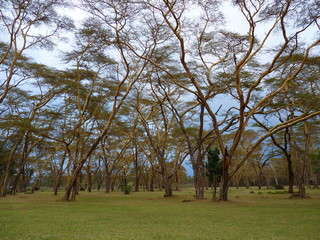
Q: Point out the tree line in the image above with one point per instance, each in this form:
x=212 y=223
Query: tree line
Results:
x=148 y=86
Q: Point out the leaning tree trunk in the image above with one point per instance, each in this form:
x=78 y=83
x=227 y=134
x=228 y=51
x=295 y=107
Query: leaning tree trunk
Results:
x=7 y=174
x=58 y=179
x=21 y=167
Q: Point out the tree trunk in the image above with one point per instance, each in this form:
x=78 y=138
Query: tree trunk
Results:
x=136 y=170
x=99 y=181
x=225 y=178
x=90 y=182
x=224 y=190
x=151 y=183
x=113 y=184
x=9 y=163
x=177 y=181
x=302 y=189
x=167 y=180
x=108 y=182
x=137 y=183
x=303 y=173
x=316 y=182
x=124 y=182
x=290 y=173
x=35 y=185
x=24 y=156
x=199 y=183
x=55 y=189
x=215 y=183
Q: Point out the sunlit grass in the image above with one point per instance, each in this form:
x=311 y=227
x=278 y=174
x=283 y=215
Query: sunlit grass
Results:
x=144 y=215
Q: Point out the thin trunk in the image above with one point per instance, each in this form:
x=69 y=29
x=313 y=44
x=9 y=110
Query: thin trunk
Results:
x=136 y=170
x=99 y=181
x=58 y=180
x=90 y=182
x=302 y=182
x=177 y=181
x=37 y=180
x=151 y=184
x=290 y=172
x=124 y=182
x=24 y=156
x=215 y=183
x=198 y=166
x=9 y=163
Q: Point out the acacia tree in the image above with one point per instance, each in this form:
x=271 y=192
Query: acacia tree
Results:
x=288 y=104
x=26 y=121
x=157 y=122
x=26 y=25
x=212 y=58
x=111 y=17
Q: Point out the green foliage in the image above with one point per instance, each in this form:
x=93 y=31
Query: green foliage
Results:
x=213 y=165
x=126 y=189
x=278 y=186
x=4 y=153
x=315 y=161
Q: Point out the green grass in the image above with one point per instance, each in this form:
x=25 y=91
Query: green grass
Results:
x=143 y=215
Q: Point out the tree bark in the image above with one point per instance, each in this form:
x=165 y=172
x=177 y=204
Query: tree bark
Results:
x=177 y=181
x=199 y=183
x=136 y=170
x=9 y=163
x=290 y=173
x=225 y=177
x=108 y=182
x=167 y=185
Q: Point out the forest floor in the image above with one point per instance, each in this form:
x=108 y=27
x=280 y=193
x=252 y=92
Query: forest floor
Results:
x=249 y=214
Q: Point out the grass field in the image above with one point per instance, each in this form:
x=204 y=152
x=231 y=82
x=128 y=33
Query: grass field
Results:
x=259 y=215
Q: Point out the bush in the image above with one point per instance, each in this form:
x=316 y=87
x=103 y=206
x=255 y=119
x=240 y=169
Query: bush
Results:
x=278 y=187
x=126 y=189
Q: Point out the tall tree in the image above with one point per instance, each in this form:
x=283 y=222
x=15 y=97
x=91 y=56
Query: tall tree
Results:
x=104 y=33
x=217 y=62
x=26 y=25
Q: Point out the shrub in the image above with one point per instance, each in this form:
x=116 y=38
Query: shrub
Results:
x=126 y=189
x=278 y=186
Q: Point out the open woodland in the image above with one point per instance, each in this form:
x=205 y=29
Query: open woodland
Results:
x=152 y=97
